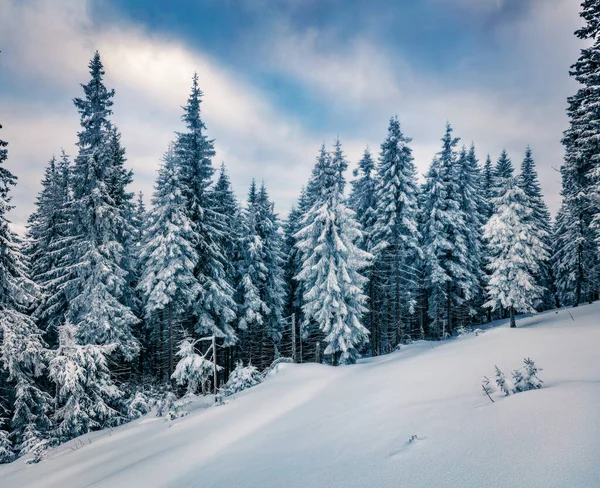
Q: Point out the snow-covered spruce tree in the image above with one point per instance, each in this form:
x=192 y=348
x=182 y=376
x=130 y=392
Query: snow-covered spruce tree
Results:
x=52 y=237
x=472 y=206
x=6 y=451
x=487 y=194
x=85 y=392
x=503 y=170
x=227 y=206
x=451 y=280
x=22 y=348
x=214 y=307
x=46 y=227
x=577 y=260
x=540 y=218
x=310 y=332
x=262 y=289
x=332 y=261
x=395 y=242
x=526 y=379
x=193 y=369
x=487 y=188
x=363 y=196
x=362 y=200
x=169 y=257
x=242 y=378
x=99 y=289
x=252 y=307
x=291 y=267
x=515 y=253
x=503 y=383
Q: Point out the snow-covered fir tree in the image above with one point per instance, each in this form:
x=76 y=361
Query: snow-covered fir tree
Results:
x=47 y=228
x=100 y=287
x=85 y=394
x=214 y=308
x=22 y=349
x=515 y=253
x=473 y=208
x=576 y=260
x=540 y=217
x=169 y=257
x=526 y=378
x=363 y=197
x=262 y=292
x=451 y=278
x=487 y=187
x=395 y=242
x=332 y=261
x=503 y=170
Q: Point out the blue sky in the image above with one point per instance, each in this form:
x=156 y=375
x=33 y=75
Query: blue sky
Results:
x=282 y=76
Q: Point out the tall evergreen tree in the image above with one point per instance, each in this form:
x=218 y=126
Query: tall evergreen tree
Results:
x=22 y=351
x=450 y=276
x=47 y=227
x=540 y=218
x=516 y=249
x=503 y=170
x=214 y=308
x=169 y=257
x=99 y=290
x=580 y=263
x=363 y=198
x=331 y=267
x=262 y=291
x=395 y=238
x=472 y=206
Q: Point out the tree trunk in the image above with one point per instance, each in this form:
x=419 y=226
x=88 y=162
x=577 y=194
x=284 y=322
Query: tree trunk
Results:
x=513 y=322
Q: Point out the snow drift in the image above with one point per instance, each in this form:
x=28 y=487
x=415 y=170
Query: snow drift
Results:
x=415 y=418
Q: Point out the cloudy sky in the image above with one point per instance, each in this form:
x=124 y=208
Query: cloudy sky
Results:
x=282 y=76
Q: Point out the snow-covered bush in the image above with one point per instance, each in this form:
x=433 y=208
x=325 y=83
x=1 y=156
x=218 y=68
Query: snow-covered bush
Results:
x=241 y=378
x=526 y=377
x=165 y=404
x=85 y=390
x=6 y=453
x=138 y=405
x=503 y=384
x=193 y=369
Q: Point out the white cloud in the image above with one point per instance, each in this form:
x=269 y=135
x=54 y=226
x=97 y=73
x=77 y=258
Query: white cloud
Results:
x=152 y=77
x=358 y=83
x=360 y=80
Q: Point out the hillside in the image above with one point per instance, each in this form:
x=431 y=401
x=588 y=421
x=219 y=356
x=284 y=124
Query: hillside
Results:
x=311 y=425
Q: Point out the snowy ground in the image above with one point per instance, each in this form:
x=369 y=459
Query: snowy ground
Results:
x=317 y=426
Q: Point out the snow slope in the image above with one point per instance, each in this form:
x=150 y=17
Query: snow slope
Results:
x=317 y=426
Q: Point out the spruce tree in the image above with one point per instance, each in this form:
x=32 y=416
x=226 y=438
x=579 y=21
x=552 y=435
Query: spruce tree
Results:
x=395 y=242
x=473 y=208
x=576 y=254
x=100 y=287
x=83 y=385
x=540 y=218
x=332 y=261
x=503 y=170
x=516 y=249
x=214 y=308
x=51 y=238
x=262 y=291
x=22 y=349
x=450 y=275
x=169 y=257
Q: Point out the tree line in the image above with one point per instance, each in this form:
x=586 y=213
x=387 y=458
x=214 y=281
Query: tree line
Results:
x=104 y=303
